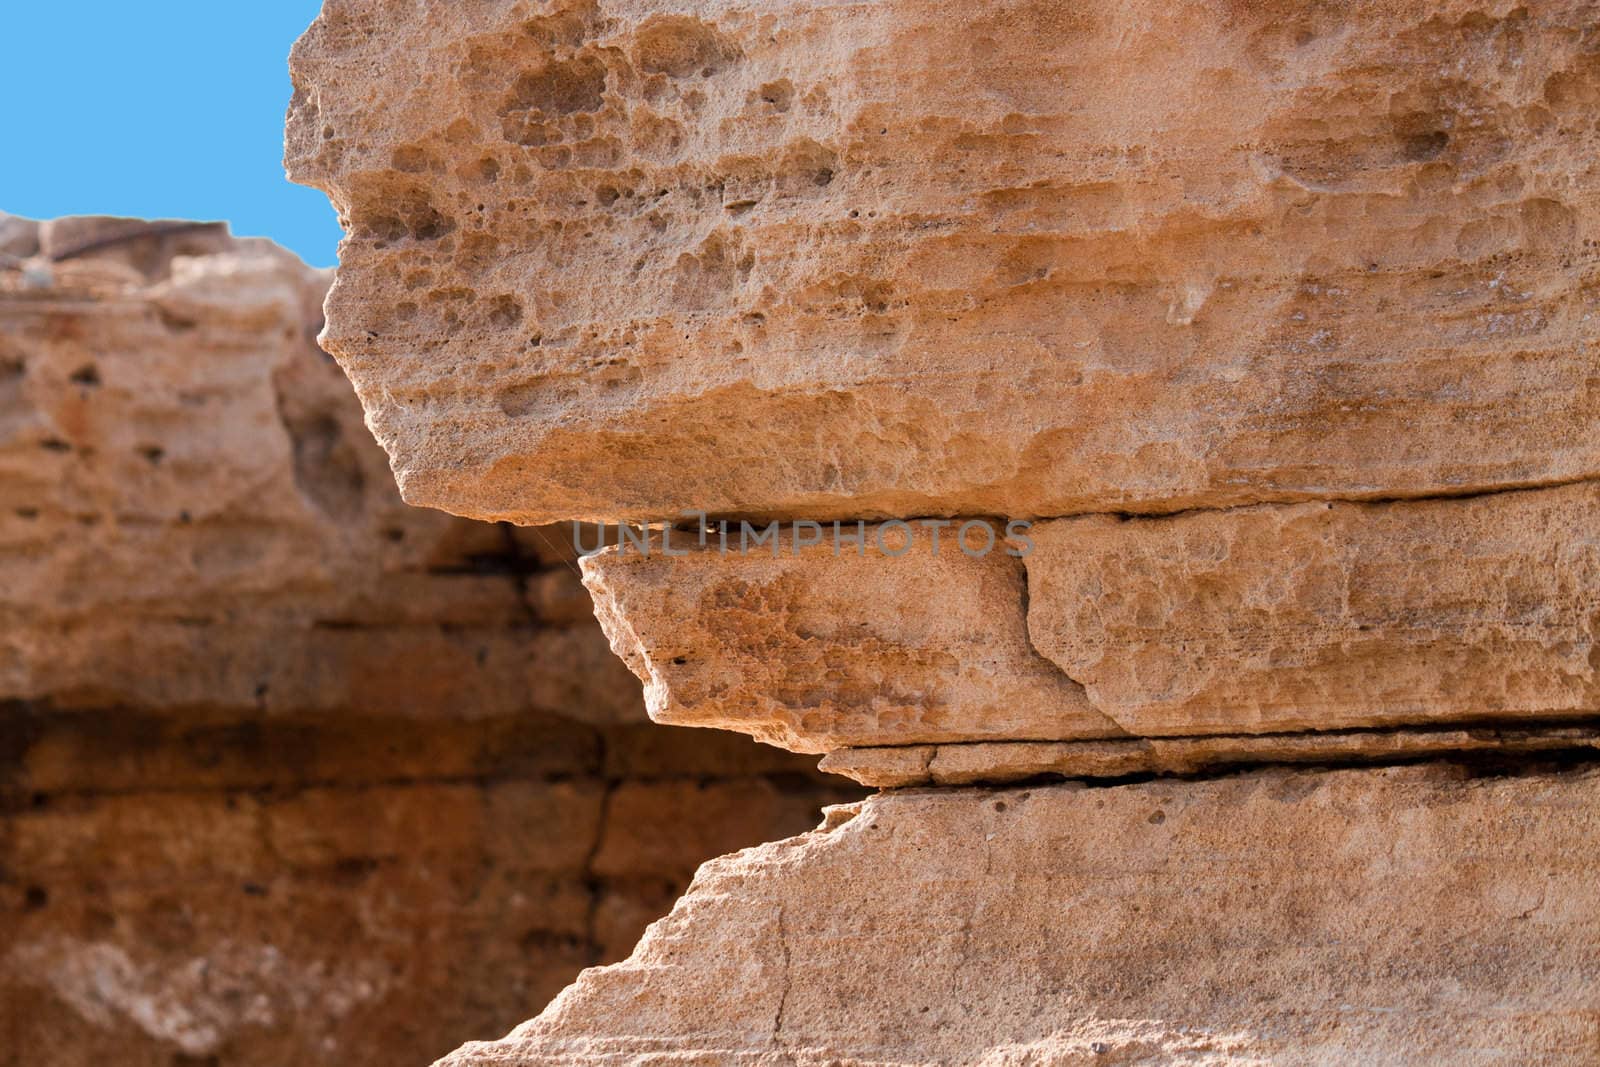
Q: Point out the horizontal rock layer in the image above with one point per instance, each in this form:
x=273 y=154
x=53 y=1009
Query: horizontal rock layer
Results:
x=1267 y=619
x=997 y=762
x=1317 y=616
x=1386 y=916
x=619 y=258
x=342 y=889
x=826 y=646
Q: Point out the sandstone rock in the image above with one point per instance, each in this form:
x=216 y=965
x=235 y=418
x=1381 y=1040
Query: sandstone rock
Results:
x=612 y=258
x=899 y=639
x=184 y=481
x=1269 y=619
x=148 y=245
x=1324 y=616
x=1405 y=915
x=19 y=237
x=1280 y=319
x=291 y=772
x=357 y=910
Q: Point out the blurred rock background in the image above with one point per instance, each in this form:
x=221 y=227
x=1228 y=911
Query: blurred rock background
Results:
x=291 y=772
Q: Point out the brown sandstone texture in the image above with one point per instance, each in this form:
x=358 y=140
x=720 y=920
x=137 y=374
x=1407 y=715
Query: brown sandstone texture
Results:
x=1278 y=321
x=996 y=257
x=1393 y=916
x=819 y=648
x=1278 y=295
x=292 y=773
x=1271 y=619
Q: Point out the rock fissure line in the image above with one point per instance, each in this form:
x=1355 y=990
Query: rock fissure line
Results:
x=1002 y=763
x=590 y=876
x=763 y=520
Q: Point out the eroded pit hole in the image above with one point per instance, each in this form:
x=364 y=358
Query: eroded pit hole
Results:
x=559 y=88
x=681 y=46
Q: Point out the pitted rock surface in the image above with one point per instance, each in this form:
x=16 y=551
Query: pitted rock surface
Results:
x=618 y=258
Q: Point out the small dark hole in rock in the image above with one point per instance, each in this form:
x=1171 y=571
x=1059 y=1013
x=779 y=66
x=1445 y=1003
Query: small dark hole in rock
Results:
x=87 y=375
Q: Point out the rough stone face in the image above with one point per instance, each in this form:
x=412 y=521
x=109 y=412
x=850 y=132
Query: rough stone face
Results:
x=1280 y=321
x=185 y=483
x=902 y=638
x=618 y=258
x=1403 y=915
x=291 y=773
x=1325 y=616
x=19 y=237
x=818 y=261
x=1268 y=619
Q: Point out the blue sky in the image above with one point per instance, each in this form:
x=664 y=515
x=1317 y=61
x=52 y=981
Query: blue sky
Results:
x=169 y=109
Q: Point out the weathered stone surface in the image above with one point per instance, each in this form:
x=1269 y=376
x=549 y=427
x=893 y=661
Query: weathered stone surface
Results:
x=1268 y=619
x=185 y=483
x=999 y=762
x=147 y=245
x=1403 y=915
x=901 y=639
x=1183 y=282
x=1324 y=616
x=291 y=773
x=616 y=257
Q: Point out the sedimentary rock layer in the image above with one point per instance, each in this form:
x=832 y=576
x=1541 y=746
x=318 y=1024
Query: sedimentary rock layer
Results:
x=1324 y=616
x=618 y=258
x=999 y=762
x=192 y=515
x=1269 y=619
x=343 y=888
x=896 y=637
x=1379 y=916
x=291 y=772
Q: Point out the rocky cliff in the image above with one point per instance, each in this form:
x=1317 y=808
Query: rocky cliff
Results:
x=997 y=257
x=286 y=765
x=1010 y=392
